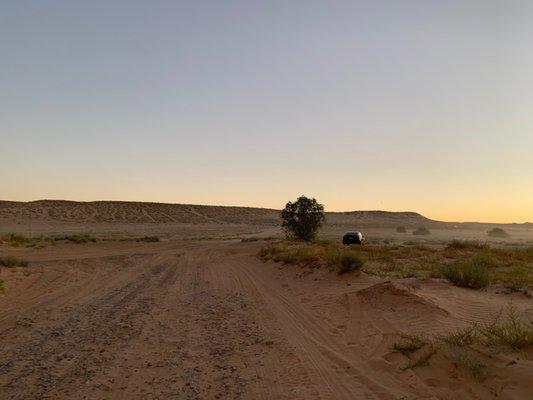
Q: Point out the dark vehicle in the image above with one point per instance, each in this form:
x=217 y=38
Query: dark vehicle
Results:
x=353 y=238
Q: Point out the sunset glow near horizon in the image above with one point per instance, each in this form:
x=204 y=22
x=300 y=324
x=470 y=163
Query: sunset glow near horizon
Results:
x=421 y=106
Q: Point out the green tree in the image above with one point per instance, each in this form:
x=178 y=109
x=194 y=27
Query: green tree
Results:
x=303 y=218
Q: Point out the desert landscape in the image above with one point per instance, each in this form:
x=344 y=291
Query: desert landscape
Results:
x=266 y=200
x=121 y=300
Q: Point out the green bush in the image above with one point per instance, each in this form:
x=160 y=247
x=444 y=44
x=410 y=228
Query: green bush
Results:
x=421 y=231
x=498 y=233
x=348 y=262
x=78 y=239
x=303 y=218
x=462 y=337
x=409 y=344
x=14 y=239
x=149 y=239
x=250 y=239
x=302 y=255
x=474 y=273
x=11 y=262
x=466 y=245
x=513 y=333
x=516 y=279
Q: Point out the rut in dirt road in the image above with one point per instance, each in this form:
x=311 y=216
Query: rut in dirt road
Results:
x=161 y=330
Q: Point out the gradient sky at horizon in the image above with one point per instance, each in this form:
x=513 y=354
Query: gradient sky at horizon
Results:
x=413 y=105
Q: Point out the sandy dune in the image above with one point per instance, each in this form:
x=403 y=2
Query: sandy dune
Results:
x=132 y=212
x=207 y=320
x=183 y=221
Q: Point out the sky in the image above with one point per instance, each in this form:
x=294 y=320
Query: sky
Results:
x=395 y=105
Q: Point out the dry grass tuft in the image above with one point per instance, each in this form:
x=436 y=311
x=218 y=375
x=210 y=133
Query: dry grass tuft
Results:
x=473 y=273
x=422 y=359
x=148 y=239
x=467 y=245
x=461 y=338
x=13 y=239
x=469 y=363
x=497 y=233
x=513 y=333
x=422 y=231
x=12 y=262
x=458 y=346
x=409 y=343
x=314 y=254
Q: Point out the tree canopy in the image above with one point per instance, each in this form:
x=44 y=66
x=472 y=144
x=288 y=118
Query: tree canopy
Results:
x=303 y=218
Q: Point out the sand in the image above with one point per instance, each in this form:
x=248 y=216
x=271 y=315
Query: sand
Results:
x=208 y=320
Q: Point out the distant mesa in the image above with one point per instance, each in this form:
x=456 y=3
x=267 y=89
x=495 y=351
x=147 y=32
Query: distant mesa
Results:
x=128 y=212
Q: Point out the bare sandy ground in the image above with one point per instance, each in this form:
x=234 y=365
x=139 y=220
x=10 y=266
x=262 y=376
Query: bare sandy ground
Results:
x=207 y=320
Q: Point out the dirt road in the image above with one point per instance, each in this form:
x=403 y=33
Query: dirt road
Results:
x=206 y=320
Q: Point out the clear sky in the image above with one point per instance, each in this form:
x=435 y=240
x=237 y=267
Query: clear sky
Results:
x=395 y=105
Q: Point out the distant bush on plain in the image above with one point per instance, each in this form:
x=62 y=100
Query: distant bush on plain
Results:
x=148 y=239
x=422 y=231
x=14 y=239
x=466 y=245
x=497 y=233
x=77 y=239
x=11 y=262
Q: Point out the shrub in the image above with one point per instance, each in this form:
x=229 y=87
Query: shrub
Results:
x=473 y=273
x=268 y=252
x=149 y=239
x=466 y=245
x=423 y=359
x=300 y=255
x=498 y=233
x=257 y=239
x=16 y=240
x=516 y=279
x=513 y=333
x=78 y=239
x=348 y=262
x=462 y=337
x=485 y=259
x=461 y=358
x=409 y=344
x=303 y=218
x=401 y=229
x=250 y=239
x=421 y=231
x=11 y=262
